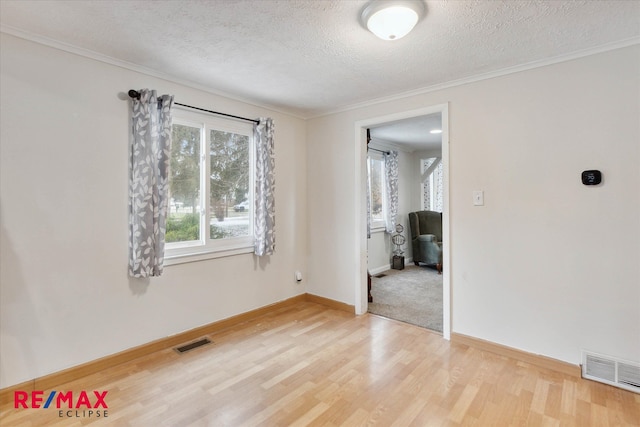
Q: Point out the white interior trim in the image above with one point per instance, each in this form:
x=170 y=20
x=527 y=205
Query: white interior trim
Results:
x=360 y=255
x=484 y=76
x=69 y=48
x=430 y=169
x=378 y=270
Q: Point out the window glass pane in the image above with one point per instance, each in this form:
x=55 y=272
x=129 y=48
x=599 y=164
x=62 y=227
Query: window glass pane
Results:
x=230 y=200
x=432 y=186
x=183 y=222
x=377 y=189
x=437 y=183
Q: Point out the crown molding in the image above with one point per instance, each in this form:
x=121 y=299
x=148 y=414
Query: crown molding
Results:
x=486 y=76
x=428 y=89
x=87 y=53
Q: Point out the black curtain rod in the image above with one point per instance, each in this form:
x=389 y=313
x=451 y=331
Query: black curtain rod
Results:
x=374 y=149
x=379 y=151
x=136 y=95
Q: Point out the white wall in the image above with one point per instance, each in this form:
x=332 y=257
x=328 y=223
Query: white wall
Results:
x=380 y=247
x=548 y=265
x=65 y=297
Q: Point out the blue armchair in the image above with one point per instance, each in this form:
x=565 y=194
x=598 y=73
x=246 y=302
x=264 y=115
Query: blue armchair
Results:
x=426 y=238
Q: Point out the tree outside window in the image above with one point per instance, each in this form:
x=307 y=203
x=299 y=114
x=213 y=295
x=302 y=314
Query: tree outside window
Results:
x=210 y=187
x=183 y=223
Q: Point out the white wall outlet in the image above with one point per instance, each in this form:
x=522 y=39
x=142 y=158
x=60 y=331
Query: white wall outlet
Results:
x=478 y=198
x=298 y=276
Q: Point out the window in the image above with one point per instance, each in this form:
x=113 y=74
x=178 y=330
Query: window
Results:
x=432 y=184
x=377 y=193
x=210 y=187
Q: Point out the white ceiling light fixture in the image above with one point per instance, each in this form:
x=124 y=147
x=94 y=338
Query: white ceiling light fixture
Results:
x=392 y=19
x=435 y=131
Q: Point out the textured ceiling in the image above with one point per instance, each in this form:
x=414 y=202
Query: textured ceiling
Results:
x=310 y=57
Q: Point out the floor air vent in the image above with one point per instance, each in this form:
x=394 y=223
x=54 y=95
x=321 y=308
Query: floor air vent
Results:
x=611 y=371
x=191 y=346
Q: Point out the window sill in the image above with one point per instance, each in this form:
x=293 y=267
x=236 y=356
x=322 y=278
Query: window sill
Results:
x=378 y=230
x=204 y=255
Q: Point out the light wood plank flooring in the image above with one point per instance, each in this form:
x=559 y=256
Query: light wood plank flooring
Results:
x=312 y=365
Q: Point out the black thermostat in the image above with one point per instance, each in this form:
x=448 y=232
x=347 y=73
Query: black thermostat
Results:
x=591 y=177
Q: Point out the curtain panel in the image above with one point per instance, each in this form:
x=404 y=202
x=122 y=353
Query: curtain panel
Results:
x=150 y=150
x=265 y=204
x=391 y=187
x=368 y=198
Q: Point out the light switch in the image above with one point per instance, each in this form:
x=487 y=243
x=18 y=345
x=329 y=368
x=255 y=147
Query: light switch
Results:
x=478 y=198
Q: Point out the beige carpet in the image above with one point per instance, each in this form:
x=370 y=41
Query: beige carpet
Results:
x=412 y=295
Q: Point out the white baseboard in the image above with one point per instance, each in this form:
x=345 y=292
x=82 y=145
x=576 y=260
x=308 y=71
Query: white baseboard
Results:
x=378 y=270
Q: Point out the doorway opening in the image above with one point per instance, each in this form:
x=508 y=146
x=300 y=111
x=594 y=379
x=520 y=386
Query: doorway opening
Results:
x=421 y=196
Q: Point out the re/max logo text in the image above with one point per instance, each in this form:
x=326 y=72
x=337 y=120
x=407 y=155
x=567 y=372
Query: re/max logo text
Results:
x=58 y=399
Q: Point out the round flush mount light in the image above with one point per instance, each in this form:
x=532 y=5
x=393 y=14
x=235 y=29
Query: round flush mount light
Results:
x=392 y=19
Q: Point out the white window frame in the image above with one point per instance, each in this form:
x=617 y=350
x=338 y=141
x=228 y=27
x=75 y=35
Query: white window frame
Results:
x=378 y=225
x=205 y=247
x=432 y=182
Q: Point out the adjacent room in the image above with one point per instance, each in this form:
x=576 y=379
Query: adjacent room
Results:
x=194 y=204
x=406 y=269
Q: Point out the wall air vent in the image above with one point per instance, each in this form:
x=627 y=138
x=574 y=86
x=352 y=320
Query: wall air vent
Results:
x=191 y=346
x=612 y=371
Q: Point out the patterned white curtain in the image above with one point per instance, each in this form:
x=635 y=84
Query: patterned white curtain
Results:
x=391 y=171
x=368 y=198
x=438 y=184
x=149 y=182
x=265 y=219
x=432 y=185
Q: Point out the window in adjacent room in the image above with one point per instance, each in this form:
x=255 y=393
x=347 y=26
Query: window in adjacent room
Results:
x=210 y=186
x=431 y=169
x=377 y=193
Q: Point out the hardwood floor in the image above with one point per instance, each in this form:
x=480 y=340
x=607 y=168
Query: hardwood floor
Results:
x=312 y=365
